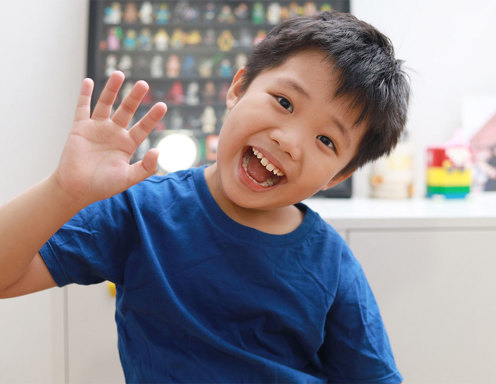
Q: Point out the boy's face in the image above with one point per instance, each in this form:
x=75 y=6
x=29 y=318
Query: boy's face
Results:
x=285 y=137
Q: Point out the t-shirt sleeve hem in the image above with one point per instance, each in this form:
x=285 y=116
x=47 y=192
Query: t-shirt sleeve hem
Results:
x=49 y=257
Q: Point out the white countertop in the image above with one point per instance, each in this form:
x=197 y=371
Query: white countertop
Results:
x=477 y=210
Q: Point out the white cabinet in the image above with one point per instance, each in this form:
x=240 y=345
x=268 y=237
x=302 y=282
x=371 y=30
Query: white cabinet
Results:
x=431 y=266
x=32 y=339
x=437 y=292
x=92 y=336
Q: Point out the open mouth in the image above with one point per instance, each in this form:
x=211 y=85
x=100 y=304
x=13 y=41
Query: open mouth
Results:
x=260 y=170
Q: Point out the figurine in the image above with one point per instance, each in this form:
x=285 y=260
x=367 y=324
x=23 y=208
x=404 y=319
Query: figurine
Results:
x=176 y=120
x=161 y=40
x=162 y=15
x=284 y=13
x=225 y=68
x=261 y=34
x=209 y=14
x=240 y=61
x=177 y=39
x=241 y=11
x=114 y=38
x=142 y=65
x=294 y=9
x=190 y=14
x=188 y=68
x=205 y=68
x=192 y=94
x=125 y=65
x=176 y=93
x=226 y=15
x=209 y=38
x=194 y=37
x=173 y=66
x=130 y=40
x=130 y=13
x=274 y=13
x=145 y=39
x=126 y=89
x=325 y=7
x=309 y=8
x=245 y=38
x=208 y=119
x=157 y=67
x=258 y=13
x=110 y=64
x=193 y=122
x=483 y=145
x=113 y=14
x=225 y=40
x=183 y=11
x=146 y=13
x=209 y=92
x=392 y=176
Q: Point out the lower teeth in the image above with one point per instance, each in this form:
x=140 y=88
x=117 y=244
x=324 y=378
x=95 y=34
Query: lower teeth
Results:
x=267 y=183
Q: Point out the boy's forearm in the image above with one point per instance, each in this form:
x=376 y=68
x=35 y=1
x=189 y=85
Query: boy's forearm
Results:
x=27 y=222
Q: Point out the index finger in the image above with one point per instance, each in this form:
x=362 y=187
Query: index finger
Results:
x=108 y=95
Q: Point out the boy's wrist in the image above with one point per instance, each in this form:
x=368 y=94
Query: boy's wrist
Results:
x=64 y=199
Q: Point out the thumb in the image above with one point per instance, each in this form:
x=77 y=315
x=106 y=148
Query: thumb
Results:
x=144 y=168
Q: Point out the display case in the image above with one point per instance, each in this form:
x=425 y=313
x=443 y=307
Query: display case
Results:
x=188 y=51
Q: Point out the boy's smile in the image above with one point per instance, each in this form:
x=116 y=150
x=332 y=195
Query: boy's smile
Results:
x=285 y=138
x=261 y=172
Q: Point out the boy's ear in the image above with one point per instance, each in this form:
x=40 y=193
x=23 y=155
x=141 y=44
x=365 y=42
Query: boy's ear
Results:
x=234 y=91
x=336 y=180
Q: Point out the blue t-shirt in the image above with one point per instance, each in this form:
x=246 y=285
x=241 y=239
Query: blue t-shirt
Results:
x=201 y=298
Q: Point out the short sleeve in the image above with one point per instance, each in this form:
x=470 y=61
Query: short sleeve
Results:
x=92 y=246
x=356 y=347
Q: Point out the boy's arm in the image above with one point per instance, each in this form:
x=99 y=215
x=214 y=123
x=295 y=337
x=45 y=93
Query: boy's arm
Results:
x=36 y=278
x=356 y=347
x=94 y=165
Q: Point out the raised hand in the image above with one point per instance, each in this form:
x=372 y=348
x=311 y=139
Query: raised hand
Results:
x=95 y=161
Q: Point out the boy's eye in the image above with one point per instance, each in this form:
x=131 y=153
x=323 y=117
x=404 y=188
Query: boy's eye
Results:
x=285 y=103
x=326 y=141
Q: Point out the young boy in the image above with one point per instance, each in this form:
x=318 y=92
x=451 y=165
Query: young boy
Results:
x=222 y=274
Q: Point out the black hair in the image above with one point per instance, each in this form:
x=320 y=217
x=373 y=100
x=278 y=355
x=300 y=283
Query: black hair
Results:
x=369 y=76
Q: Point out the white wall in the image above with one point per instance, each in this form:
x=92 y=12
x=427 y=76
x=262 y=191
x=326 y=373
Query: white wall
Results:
x=43 y=48
x=448 y=44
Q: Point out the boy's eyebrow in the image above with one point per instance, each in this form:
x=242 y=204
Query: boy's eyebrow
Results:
x=342 y=129
x=295 y=85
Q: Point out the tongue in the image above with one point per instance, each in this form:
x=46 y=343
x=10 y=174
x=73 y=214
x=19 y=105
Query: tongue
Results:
x=257 y=170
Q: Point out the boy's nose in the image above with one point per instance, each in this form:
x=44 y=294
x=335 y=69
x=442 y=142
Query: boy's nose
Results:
x=289 y=141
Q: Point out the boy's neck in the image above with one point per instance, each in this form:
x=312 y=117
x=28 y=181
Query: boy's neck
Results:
x=276 y=221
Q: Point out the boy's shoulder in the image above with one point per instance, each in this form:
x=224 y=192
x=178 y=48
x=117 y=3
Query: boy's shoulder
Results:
x=330 y=242
x=174 y=182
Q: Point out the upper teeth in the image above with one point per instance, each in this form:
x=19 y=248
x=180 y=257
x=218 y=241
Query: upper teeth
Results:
x=269 y=166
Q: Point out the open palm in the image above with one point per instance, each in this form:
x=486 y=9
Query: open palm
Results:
x=95 y=161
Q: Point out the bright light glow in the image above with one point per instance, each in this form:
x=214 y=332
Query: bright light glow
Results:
x=177 y=151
